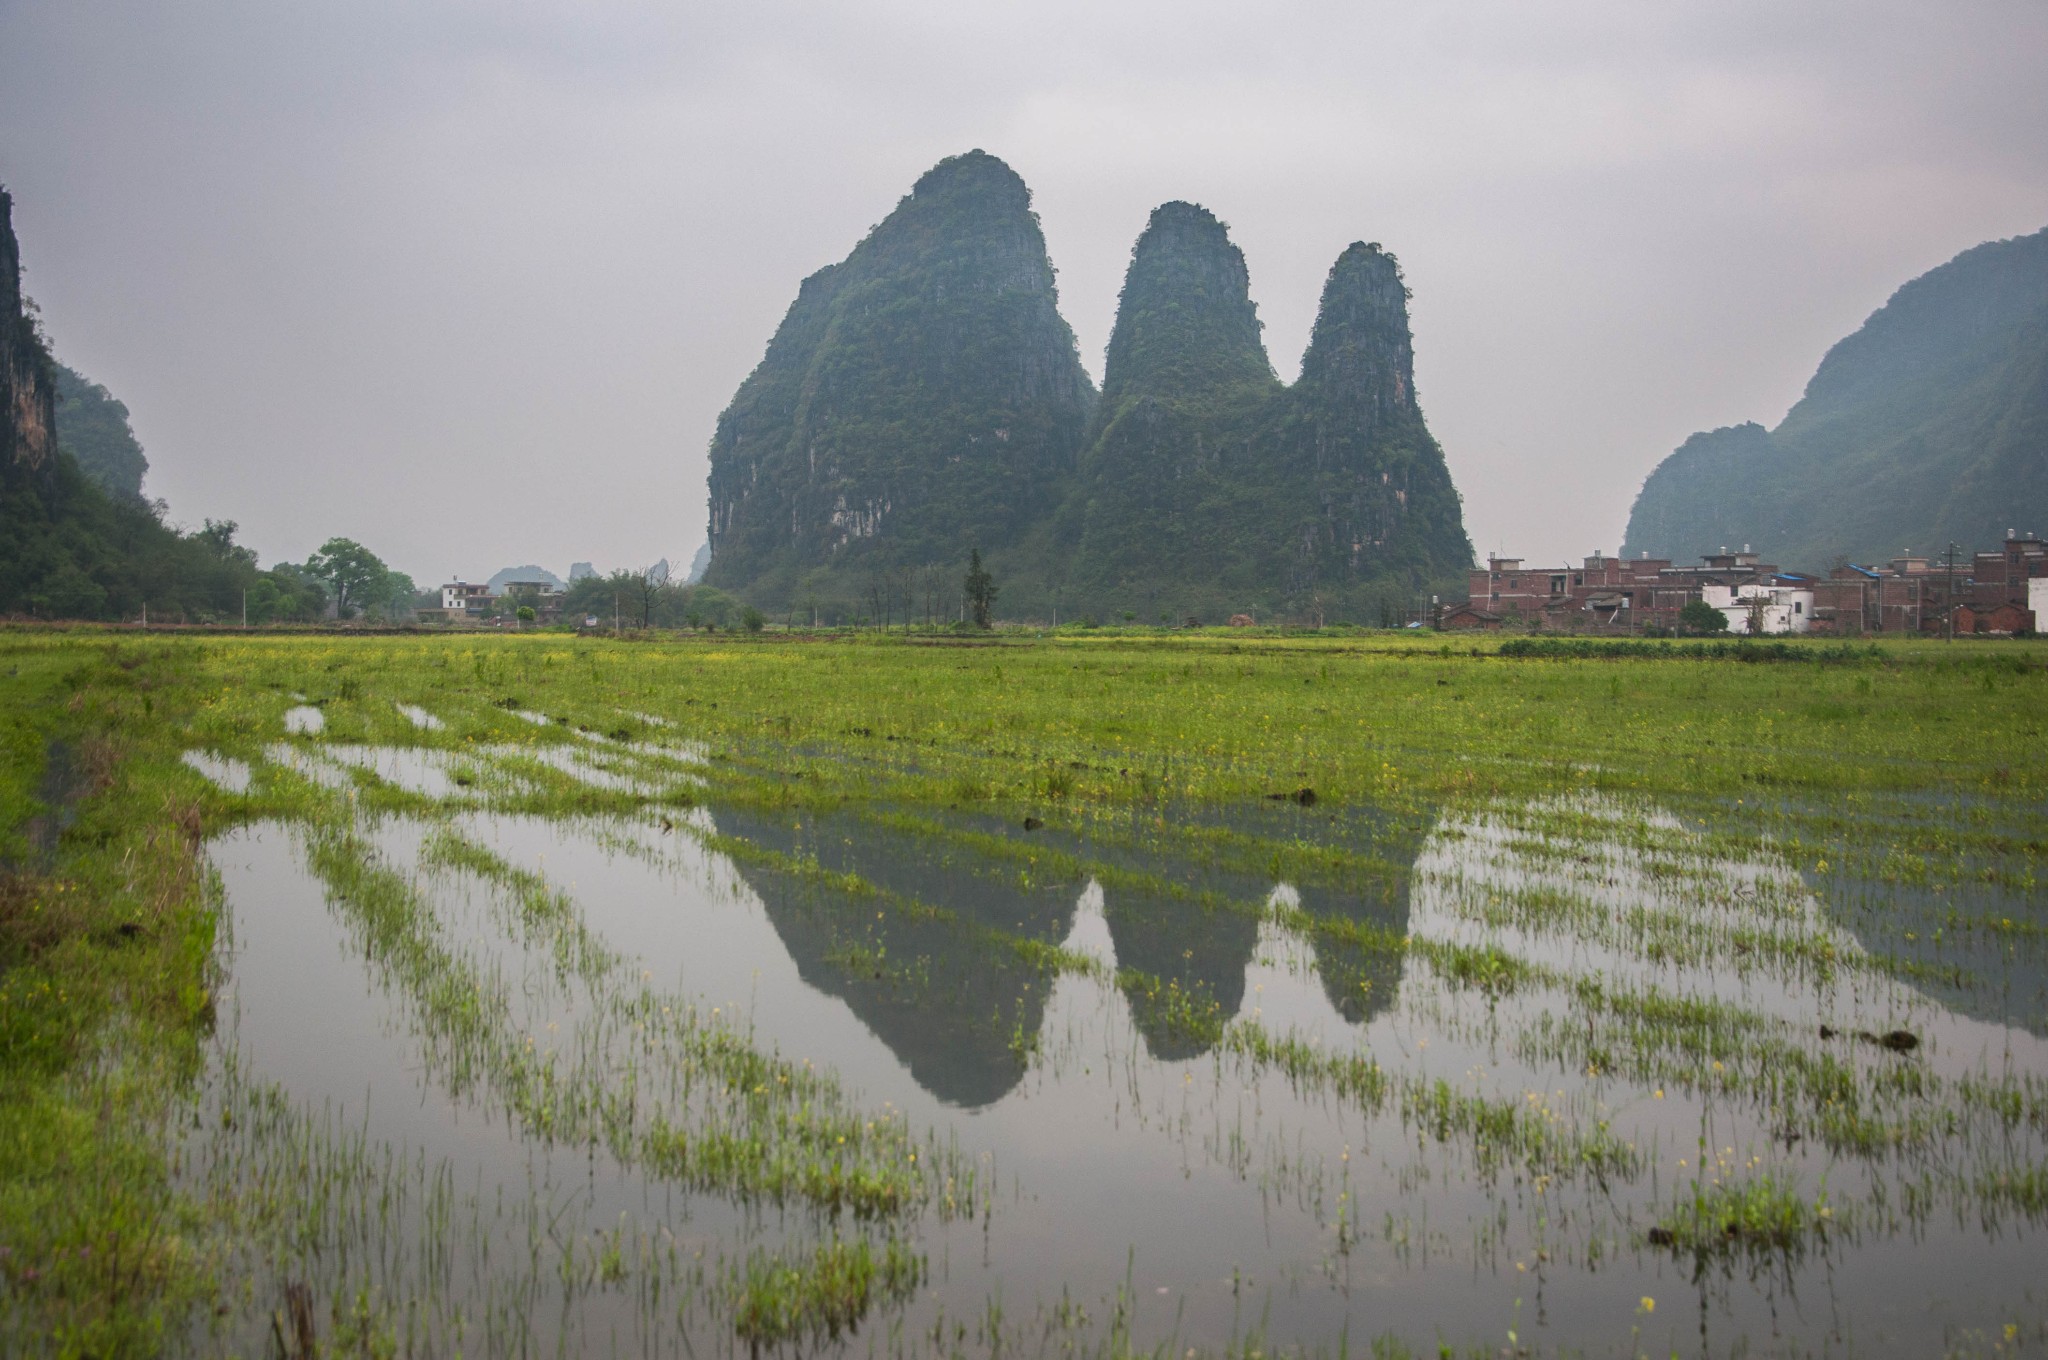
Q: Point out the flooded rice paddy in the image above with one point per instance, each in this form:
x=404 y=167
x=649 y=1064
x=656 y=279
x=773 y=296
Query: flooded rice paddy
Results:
x=582 y=1053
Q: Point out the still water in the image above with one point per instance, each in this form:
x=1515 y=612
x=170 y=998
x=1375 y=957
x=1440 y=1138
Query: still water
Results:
x=1153 y=1186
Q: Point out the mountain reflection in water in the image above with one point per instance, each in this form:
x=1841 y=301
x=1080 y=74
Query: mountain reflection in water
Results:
x=962 y=1010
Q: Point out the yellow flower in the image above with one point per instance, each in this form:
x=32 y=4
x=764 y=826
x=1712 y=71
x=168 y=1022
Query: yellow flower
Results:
x=1649 y=1304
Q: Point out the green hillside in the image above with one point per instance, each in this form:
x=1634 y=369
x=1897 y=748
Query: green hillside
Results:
x=1928 y=425
x=92 y=426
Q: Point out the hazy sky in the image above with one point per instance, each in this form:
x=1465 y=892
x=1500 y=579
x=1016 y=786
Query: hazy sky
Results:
x=469 y=280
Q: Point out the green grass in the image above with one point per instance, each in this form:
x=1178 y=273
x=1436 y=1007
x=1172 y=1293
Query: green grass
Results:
x=1765 y=1216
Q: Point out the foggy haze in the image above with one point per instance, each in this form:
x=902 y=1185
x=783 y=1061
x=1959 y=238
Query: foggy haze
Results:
x=470 y=283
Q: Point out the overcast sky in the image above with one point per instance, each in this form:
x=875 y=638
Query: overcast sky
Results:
x=470 y=280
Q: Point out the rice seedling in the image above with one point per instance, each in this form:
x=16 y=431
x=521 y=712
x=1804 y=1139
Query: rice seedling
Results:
x=1223 y=948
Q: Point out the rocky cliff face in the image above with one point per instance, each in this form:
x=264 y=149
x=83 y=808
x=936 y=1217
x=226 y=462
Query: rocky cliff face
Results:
x=1929 y=424
x=1381 y=501
x=921 y=397
x=28 y=414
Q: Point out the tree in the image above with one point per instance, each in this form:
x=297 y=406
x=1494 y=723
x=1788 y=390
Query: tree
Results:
x=931 y=586
x=285 y=593
x=752 y=619
x=354 y=575
x=981 y=592
x=218 y=538
x=1756 y=613
x=1700 y=617
x=643 y=589
x=395 y=596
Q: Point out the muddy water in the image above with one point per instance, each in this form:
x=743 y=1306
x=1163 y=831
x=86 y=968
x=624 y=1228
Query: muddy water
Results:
x=1142 y=1168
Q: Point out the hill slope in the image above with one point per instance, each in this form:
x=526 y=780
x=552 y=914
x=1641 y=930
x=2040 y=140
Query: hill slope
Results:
x=1929 y=424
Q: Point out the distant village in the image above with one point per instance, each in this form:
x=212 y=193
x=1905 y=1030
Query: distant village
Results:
x=497 y=602
x=2002 y=592
x=484 y=605
x=1999 y=592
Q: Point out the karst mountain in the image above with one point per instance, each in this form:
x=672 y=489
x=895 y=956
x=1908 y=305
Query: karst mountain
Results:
x=921 y=397
x=1928 y=425
x=924 y=398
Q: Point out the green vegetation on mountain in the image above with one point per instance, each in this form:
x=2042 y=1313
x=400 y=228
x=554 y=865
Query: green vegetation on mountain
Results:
x=1929 y=424
x=923 y=399
x=1209 y=488
x=92 y=426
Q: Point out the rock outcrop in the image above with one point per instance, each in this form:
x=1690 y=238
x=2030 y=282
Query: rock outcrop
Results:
x=28 y=388
x=1928 y=425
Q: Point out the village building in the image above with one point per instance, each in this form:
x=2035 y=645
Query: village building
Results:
x=459 y=599
x=1467 y=616
x=542 y=595
x=1784 y=605
x=1601 y=591
x=2006 y=619
x=466 y=602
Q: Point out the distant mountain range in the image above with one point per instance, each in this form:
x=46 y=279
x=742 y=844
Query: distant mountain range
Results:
x=1928 y=425
x=500 y=579
x=924 y=397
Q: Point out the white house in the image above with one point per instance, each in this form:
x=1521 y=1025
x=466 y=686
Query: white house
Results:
x=2037 y=600
x=459 y=595
x=1762 y=607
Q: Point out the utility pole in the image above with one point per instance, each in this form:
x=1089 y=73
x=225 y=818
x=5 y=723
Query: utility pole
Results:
x=245 y=609
x=1948 y=609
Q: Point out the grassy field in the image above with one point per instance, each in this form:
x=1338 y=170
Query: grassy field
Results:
x=152 y=1197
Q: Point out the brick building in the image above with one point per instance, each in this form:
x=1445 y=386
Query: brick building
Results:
x=1603 y=591
x=1609 y=594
